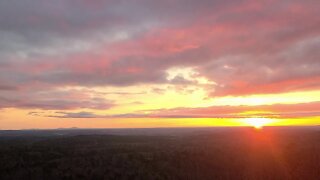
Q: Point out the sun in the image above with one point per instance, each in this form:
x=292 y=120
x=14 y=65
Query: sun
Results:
x=258 y=123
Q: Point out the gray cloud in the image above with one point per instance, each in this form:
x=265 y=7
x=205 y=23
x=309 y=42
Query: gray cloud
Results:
x=82 y=114
x=53 y=100
x=245 y=47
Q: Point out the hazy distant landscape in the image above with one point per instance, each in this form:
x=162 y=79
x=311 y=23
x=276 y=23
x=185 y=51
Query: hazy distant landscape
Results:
x=177 y=153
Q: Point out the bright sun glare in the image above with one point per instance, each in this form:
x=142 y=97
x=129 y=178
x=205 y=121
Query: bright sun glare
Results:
x=258 y=123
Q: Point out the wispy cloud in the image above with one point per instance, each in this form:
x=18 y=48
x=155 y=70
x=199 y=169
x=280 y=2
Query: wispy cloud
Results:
x=271 y=111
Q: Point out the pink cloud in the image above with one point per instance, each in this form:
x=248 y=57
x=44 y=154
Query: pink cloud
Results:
x=268 y=46
x=276 y=110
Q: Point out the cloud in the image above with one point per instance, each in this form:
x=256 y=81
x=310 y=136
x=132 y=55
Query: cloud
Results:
x=244 y=47
x=243 y=111
x=7 y=88
x=82 y=114
x=54 y=100
x=301 y=110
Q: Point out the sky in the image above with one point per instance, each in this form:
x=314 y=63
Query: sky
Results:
x=168 y=63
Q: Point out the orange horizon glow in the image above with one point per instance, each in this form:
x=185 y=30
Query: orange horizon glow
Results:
x=258 y=123
x=31 y=122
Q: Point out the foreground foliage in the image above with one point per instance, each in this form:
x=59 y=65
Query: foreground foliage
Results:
x=227 y=154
